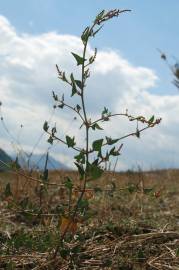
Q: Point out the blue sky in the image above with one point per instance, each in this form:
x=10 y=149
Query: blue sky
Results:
x=128 y=72
x=151 y=25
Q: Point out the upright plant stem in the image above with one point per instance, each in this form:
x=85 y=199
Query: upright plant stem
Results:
x=87 y=130
x=87 y=154
x=84 y=111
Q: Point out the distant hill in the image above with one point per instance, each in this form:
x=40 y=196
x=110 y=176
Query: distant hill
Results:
x=5 y=158
x=37 y=162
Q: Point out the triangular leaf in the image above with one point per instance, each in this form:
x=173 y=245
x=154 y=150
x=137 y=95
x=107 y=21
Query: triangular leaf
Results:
x=50 y=140
x=100 y=15
x=97 y=145
x=70 y=141
x=151 y=119
x=55 y=97
x=85 y=35
x=96 y=126
x=83 y=205
x=94 y=171
x=68 y=183
x=78 y=108
x=7 y=191
x=80 y=169
x=137 y=133
x=80 y=157
x=45 y=126
x=79 y=84
x=80 y=60
x=105 y=111
x=111 y=141
x=114 y=152
x=74 y=90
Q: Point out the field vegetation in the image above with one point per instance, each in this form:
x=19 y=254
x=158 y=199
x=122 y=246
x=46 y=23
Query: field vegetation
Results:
x=132 y=222
x=91 y=218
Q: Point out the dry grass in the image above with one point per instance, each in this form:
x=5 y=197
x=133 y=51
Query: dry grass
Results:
x=133 y=223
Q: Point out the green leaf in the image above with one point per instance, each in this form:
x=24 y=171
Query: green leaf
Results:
x=74 y=90
x=55 y=97
x=64 y=252
x=79 y=84
x=50 y=140
x=97 y=145
x=80 y=60
x=100 y=15
x=99 y=154
x=68 y=183
x=78 y=108
x=7 y=191
x=45 y=126
x=105 y=111
x=61 y=105
x=70 y=141
x=96 y=126
x=80 y=169
x=111 y=141
x=80 y=157
x=137 y=133
x=85 y=35
x=148 y=190
x=95 y=162
x=151 y=119
x=83 y=204
x=94 y=171
x=131 y=188
x=114 y=152
x=105 y=114
x=54 y=130
x=63 y=78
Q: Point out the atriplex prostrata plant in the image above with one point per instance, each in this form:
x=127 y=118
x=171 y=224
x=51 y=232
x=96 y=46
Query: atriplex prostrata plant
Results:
x=89 y=168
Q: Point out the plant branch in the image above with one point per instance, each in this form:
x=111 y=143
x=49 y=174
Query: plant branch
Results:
x=73 y=109
x=102 y=119
x=78 y=149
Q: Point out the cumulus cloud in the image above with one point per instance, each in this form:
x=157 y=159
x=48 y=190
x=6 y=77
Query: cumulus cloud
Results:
x=28 y=75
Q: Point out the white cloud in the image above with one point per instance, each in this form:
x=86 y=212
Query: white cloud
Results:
x=28 y=75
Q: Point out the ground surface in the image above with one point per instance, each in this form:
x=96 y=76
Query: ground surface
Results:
x=131 y=222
